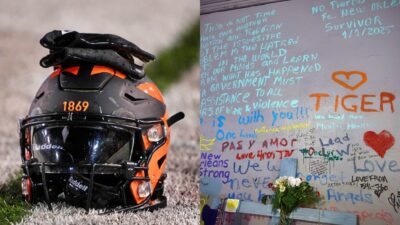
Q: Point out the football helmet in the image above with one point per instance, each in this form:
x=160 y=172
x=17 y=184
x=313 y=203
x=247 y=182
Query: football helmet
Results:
x=97 y=133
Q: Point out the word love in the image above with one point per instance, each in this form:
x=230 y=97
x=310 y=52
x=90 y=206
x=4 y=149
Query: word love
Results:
x=355 y=103
x=369 y=166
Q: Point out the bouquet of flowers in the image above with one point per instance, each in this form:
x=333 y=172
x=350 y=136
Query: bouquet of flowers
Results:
x=290 y=193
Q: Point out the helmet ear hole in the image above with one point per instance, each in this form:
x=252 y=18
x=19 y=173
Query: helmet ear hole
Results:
x=161 y=161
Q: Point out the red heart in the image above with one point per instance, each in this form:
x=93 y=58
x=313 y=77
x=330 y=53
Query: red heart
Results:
x=379 y=142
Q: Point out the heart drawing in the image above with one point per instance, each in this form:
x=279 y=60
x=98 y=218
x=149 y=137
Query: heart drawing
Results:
x=344 y=79
x=379 y=142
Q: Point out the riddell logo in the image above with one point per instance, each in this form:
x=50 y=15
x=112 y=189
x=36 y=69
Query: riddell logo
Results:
x=37 y=147
x=76 y=184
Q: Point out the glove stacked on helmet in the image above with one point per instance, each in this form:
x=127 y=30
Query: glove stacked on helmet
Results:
x=69 y=47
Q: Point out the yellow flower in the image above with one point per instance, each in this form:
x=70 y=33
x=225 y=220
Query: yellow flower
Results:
x=282 y=188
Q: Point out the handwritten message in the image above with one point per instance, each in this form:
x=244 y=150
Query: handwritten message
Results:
x=311 y=80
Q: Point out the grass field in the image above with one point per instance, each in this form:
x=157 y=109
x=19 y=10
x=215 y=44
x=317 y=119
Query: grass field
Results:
x=12 y=208
x=172 y=62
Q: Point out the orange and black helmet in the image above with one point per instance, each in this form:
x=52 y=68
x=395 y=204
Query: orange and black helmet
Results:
x=97 y=132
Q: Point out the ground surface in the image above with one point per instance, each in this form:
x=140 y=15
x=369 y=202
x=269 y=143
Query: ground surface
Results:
x=153 y=25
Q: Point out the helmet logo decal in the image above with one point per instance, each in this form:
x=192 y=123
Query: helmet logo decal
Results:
x=71 y=106
x=37 y=147
x=76 y=184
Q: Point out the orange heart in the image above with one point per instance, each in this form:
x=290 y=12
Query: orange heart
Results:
x=336 y=76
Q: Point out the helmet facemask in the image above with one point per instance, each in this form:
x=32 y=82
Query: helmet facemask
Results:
x=88 y=161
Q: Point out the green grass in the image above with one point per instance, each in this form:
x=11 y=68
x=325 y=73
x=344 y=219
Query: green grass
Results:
x=12 y=208
x=181 y=56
